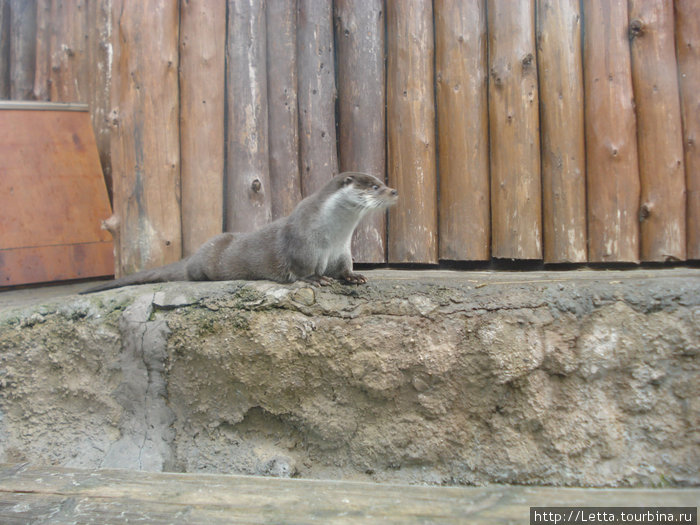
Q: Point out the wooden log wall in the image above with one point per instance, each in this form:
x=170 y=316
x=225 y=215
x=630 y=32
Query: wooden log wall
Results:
x=359 y=36
x=68 y=53
x=145 y=142
x=659 y=134
x=516 y=224
x=560 y=65
x=411 y=148
x=22 y=48
x=5 y=15
x=463 y=129
x=318 y=152
x=44 y=31
x=202 y=110
x=99 y=56
x=612 y=167
x=560 y=131
x=687 y=26
x=247 y=181
x=283 y=111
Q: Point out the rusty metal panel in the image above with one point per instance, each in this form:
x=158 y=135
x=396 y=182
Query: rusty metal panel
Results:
x=52 y=196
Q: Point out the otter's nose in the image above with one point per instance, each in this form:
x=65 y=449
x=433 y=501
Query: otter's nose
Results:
x=394 y=193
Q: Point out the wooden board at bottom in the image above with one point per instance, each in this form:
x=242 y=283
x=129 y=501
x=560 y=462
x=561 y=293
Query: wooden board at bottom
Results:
x=42 y=264
x=51 y=495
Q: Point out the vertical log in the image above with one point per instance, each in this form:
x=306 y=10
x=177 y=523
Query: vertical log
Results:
x=659 y=131
x=42 y=69
x=4 y=49
x=283 y=114
x=688 y=46
x=559 y=61
x=359 y=26
x=247 y=182
x=413 y=223
x=516 y=228
x=68 y=76
x=145 y=141
x=316 y=64
x=22 y=48
x=463 y=147
x=99 y=58
x=202 y=108
x=611 y=143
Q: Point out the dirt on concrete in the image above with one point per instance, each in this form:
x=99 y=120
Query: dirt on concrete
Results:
x=588 y=378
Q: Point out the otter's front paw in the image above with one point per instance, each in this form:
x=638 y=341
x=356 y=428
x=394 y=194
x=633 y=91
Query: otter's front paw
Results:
x=355 y=278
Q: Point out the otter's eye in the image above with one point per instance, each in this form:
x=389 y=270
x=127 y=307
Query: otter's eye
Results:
x=375 y=187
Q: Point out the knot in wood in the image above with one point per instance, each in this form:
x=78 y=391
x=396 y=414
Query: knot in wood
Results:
x=496 y=77
x=111 y=224
x=256 y=185
x=636 y=28
x=114 y=117
x=645 y=210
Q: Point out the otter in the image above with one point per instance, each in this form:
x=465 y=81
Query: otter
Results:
x=312 y=244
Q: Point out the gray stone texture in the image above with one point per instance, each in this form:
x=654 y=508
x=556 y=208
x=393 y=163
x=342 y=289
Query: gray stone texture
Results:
x=584 y=378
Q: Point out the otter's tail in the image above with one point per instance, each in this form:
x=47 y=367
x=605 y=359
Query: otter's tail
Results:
x=171 y=272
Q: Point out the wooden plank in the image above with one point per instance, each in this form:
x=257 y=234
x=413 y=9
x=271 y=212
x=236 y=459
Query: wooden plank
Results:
x=59 y=262
x=659 y=131
x=612 y=177
x=99 y=57
x=50 y=153
x=4 y=49
x=23 y=509
x=57 y=495
x=22 y=48
x=463 y=147
x=560 y=66
x=316 y=97
x=145 y=139
x=359 y=29
x=413 y=222
x=687 y=18
x=516 y=215
x=68 y=75
x=247 y=201
x=50 y=157
x=202 y=109
x=283 y=113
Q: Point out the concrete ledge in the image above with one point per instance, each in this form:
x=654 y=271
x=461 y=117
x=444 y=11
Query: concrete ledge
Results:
x=560 y=378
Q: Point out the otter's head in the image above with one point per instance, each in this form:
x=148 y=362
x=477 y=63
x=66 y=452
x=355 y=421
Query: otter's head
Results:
x=367 y=191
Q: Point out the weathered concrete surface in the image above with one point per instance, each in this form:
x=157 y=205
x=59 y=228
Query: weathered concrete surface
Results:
x=580 y=378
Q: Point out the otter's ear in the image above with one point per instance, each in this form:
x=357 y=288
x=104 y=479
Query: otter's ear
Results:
x=348 y=180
